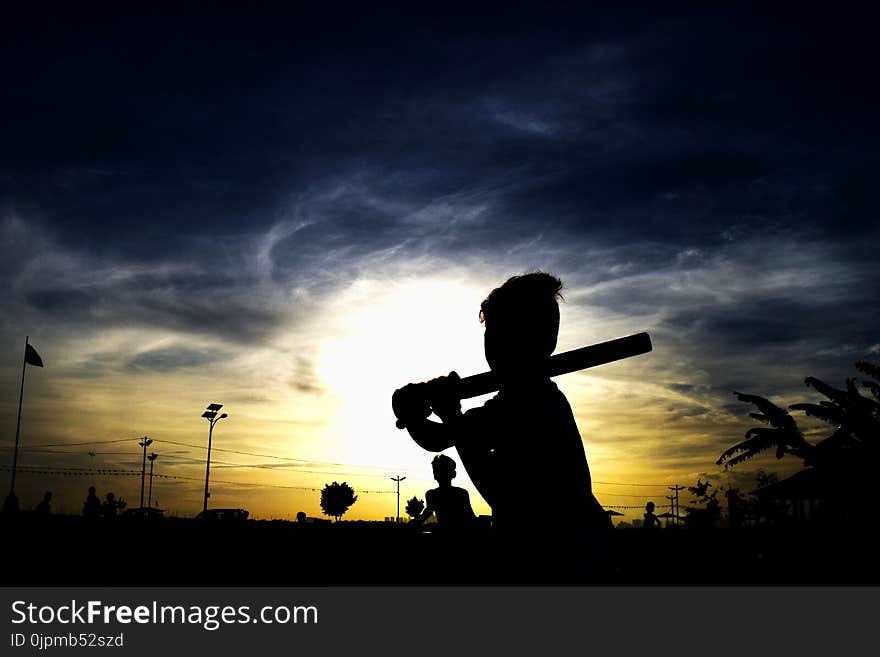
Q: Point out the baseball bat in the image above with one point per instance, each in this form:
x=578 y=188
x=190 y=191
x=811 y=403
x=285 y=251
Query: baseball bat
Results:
x=569 y=361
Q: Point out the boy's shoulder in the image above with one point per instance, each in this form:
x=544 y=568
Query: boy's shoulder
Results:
x=542 y=393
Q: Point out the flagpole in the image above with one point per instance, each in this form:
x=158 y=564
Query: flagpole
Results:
x=18 y=423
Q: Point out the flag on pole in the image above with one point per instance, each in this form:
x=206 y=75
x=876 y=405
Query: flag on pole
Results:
x=31 y=357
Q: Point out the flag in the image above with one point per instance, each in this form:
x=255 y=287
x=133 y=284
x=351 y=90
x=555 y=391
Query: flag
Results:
x=31 y=357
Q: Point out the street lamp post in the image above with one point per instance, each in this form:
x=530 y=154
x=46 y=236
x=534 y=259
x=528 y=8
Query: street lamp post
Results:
x=211 y=416
x=152 y=458
x=146 y=442
x=398 y=479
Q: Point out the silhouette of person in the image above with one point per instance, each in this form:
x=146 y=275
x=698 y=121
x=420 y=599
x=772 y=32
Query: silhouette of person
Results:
x=650 y=521
x=10 y=504
x=44 y=508
x=301 y=517
x=451 y=505
x=109 y=507
x=522 y=448
x=92 y=506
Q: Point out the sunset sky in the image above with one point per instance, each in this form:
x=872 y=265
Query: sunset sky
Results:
x=295 y=214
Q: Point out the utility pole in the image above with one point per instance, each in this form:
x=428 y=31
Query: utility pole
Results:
x=671 y=499
x=398 y=480
x=146 y=442
x=152 y=458
x=676 y=488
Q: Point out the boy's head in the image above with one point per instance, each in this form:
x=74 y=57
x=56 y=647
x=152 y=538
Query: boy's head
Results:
x=649 y=507
x=444 y=468
x=522 y=322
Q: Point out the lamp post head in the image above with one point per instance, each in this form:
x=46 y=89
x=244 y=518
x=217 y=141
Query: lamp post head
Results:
x=211 y=413
x=152 y=456
x=146 y=442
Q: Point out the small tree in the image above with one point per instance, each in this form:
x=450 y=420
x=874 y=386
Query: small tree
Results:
x=706 y=516
x=414 y=507
x=336 y=499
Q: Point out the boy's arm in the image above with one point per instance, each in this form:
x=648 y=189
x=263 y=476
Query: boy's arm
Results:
x=427 y=513
x=412 y=405
x=424 y=515
x=430 y=435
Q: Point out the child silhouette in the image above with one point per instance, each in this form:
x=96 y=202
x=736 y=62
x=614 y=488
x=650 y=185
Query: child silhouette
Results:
x=650 y=519
x=451 y=505
x=92 y=506
x=521 y=449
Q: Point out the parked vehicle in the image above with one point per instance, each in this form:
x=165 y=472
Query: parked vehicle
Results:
x=144 y=512
x=223 y=515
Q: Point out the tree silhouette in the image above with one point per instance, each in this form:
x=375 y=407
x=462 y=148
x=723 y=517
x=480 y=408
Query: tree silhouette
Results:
x=783 y=434
x=842 y=463
x=855 y=418
x=336 y=499
x=765 y=478
x=414 y=507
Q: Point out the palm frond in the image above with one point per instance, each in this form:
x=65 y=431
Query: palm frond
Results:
x=775 y=416
x=758 y=439
x=871 y=369
x=831 y=413
x=835 y=395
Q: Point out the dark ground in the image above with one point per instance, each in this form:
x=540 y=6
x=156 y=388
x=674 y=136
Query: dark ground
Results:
x=68 y=551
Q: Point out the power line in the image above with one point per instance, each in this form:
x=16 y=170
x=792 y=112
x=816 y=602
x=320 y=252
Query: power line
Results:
x=226 y=464
x=618 y=483
x=295 y=463
x=67 y=451
x=603 y=494
x=90 y=442
x=267 y=466
x=172 y=442
x=73 y=471
x=235 y=451
x=278 y=457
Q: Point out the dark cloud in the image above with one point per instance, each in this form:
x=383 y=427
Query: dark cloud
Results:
x=657 y=122
x=171 y=359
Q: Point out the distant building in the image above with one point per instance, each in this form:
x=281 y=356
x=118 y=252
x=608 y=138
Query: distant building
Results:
x=795 y=498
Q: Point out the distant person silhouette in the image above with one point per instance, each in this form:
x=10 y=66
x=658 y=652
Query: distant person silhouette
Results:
x=92 y=506
x=10 y=504
x=44 y=507
x=110 y=506
x=301 y=517
x=650 y=521
x=521 y=449
x=451 y=505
